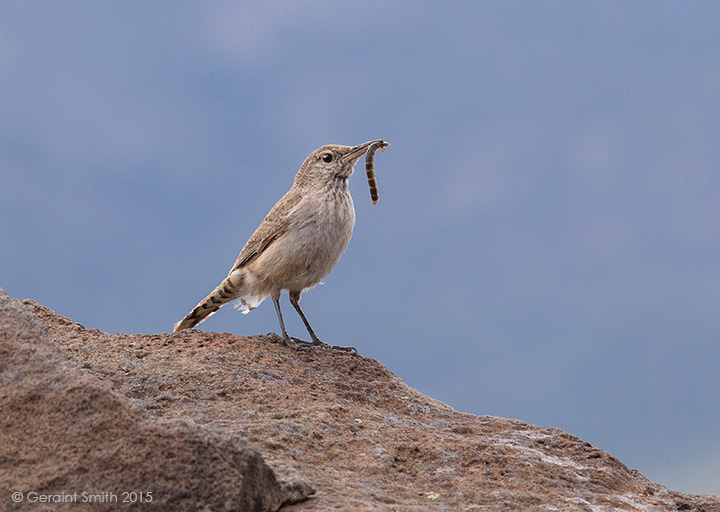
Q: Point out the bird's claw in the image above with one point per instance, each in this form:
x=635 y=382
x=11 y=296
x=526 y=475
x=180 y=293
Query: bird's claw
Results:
x=307 y=346
x=318 y=343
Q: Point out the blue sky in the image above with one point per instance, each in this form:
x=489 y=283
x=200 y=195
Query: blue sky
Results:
x=547 y=241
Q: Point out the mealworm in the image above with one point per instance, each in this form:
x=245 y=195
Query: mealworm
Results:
x=370 y=167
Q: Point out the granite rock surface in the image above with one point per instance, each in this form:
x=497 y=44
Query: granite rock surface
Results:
x=236 y=422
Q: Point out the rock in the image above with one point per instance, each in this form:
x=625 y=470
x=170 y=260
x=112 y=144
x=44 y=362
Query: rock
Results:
x=65 y=431
x=364 y=439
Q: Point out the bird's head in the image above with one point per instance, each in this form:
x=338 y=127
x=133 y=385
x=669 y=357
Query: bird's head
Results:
x=332 y=163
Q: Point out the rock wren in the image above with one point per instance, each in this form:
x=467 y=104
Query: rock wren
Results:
x=297 y=244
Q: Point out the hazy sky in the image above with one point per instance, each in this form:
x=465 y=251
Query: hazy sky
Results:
x=547 y=241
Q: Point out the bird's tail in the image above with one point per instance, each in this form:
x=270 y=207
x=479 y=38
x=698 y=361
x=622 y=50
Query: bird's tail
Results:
x=231 y=288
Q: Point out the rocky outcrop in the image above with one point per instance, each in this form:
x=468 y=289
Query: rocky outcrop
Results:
x=169 y=413
x=68 y=439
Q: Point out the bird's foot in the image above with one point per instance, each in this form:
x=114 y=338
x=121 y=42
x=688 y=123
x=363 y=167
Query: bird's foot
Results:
x=318 y=343
x=307 y=346
x=293 y=343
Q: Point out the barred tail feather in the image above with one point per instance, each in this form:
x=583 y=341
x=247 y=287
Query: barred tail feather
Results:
x=231 y=288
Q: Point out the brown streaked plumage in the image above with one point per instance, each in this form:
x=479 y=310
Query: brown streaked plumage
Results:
x=297 y=244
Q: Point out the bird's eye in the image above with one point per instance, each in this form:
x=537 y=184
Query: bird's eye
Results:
x=327 y=157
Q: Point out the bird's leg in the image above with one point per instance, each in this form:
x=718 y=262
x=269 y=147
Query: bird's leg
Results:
x=294 y=300
x=286 y=340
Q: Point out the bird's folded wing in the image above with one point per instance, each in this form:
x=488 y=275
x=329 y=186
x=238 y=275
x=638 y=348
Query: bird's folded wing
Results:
x=270 y=229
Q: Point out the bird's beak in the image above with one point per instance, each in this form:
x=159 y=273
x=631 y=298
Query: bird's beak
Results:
x=359 y=150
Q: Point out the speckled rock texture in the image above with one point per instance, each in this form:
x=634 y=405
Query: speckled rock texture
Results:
x=64 y=432
x=362 y=438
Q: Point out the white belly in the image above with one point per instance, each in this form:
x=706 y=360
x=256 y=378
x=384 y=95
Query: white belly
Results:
x=310 y=247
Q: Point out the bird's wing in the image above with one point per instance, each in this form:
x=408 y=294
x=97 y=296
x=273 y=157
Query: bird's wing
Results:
x=271 y=228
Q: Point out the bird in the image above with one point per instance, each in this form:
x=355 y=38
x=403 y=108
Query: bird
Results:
x=297 y=244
